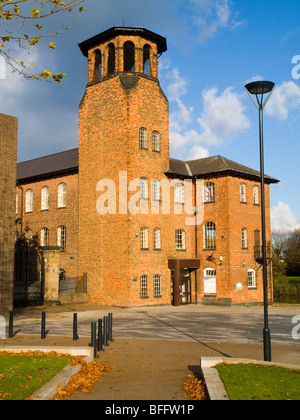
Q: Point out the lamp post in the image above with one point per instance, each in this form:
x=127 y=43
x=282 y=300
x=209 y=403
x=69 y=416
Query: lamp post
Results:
x=256 y=91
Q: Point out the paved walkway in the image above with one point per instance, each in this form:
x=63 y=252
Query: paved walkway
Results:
x=154 y=349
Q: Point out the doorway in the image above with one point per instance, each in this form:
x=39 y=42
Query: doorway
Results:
x=185 y=284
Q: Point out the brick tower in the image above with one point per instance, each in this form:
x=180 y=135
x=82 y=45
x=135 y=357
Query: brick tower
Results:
x=123 y=136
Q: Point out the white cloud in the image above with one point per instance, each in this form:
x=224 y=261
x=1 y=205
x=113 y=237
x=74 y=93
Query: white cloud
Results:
x=181 y=117
x=285 y=98
x=283 y=219
x=210 y=16
x=177 y=86
x=197 y=152
x=223 y=116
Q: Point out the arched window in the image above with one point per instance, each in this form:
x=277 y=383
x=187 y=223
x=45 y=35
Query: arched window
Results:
x=243 y=192
x=129 y=59
x=29 y=201
x=156 y=239
x=209 y=236
x=155 y=141
x=44 y=236
x=62 y=195
x=144 y=188
x=209 y=192
x=143 y=138
x=98 y=65
x=179 y=193
x=255 y=195
x=144 y=286
x=146 y=60
x=251 y=279
x=61 y=237
x=156 y=286
x=244 y=238
x=144 y=238
x=111 y=63
x=180 y=239
x=45 y=198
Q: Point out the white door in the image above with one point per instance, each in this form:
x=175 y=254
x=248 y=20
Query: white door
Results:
x=210 y=281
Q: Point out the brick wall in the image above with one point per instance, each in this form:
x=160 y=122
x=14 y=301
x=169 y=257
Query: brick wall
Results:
x=8 y=153
x=54 y=216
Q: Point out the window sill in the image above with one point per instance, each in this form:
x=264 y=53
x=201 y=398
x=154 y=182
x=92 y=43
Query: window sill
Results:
x=156 y=249
x=252 y=288
x=181 y=250
x=61 y=208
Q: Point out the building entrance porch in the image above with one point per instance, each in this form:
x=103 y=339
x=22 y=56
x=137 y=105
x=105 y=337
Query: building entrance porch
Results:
x=181 y=283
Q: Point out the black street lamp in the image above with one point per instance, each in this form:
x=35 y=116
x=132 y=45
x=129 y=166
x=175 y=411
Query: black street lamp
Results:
x=256 y=91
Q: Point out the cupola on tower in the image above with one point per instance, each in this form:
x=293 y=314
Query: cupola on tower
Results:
x=123 y=127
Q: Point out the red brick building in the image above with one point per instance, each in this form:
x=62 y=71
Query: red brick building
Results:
x=8 y=153
x=125 y=213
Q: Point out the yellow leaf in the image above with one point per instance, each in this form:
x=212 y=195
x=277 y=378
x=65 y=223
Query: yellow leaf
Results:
x=52 y=45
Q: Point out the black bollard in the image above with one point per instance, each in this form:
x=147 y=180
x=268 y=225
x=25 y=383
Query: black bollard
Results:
x=11 y=325
x=110 y=315
x=100 y=335
x=105 y=331
x=43 y=326
x=94 y=341
x=75 y=335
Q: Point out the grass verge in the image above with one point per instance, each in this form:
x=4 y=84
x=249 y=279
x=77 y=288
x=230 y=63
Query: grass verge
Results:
x=259 y=382
x=22 y=374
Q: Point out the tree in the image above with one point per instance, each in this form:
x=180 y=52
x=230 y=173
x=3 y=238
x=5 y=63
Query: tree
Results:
x=22 y=26
x=279 y=241
x=292 y=253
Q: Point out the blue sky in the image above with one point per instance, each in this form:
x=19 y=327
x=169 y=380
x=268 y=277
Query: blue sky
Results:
x=214 y=48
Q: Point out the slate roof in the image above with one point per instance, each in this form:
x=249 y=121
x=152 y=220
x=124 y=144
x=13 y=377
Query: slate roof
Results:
x=215 y=165
x=64 y=162
x=45 y=166
x=160 y=41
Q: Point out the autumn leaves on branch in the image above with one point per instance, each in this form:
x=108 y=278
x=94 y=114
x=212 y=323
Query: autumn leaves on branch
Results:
x=21 y=27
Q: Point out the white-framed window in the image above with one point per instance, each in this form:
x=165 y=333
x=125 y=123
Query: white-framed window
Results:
x=61 y=237
x=44 y=236
x=209 y=235
x=156 y=239
x=251 y=279
x=156 y=286
x=155 y=189
x=144 y=238
x=243 y=197
x=180 y=239
x=143 y=138
x=155 y=141
x=62 y=195
x=144 y=188
x=144 y=287
x=209 y=192
x=179 y=193
x=45 y=198
x=29 y=201
x=244 y=238
x=255 y=195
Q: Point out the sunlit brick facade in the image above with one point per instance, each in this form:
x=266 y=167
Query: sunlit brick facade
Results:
x=149 y=256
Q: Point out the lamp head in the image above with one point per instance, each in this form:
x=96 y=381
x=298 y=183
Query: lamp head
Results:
x=259 y=89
